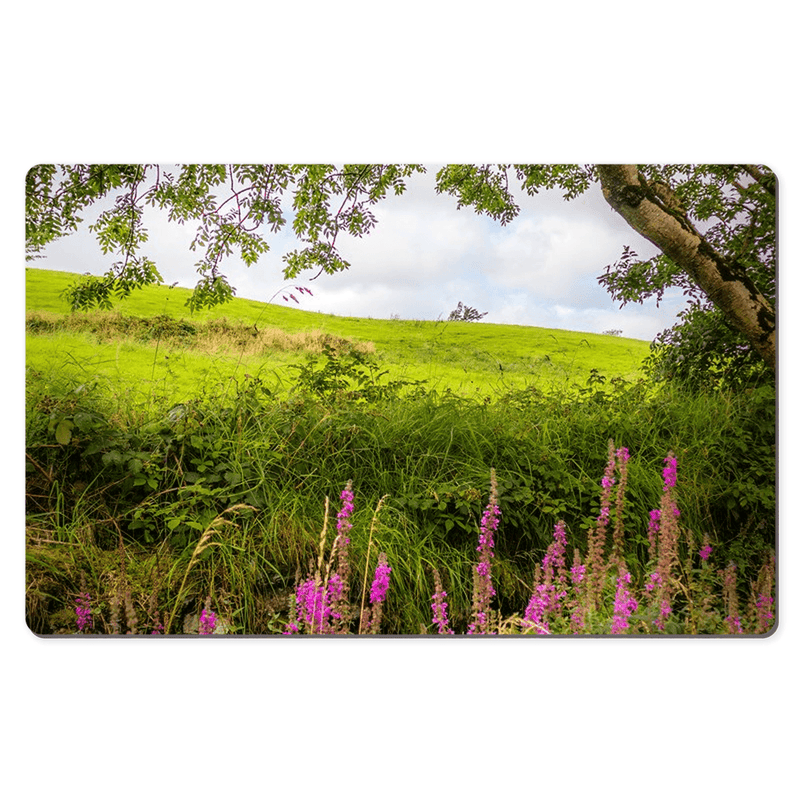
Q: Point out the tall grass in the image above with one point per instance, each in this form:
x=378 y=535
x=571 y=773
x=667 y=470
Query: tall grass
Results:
x=680 y=592
x=158 y=480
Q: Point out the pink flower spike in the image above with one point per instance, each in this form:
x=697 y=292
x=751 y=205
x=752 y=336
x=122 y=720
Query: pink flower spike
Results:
x=670 y=472
x=208 y=622
x=380 y=586
x=83 y=612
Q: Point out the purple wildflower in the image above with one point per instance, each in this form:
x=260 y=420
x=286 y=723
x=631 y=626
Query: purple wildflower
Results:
x=655 y=581
x=208 y=622
x=482 y=589
x=664 y=541
x=438 y=606
x=670 y=471
x=624 y=604
x=622 y=456
x=313 y=609
x=595 y=563
x=705 y=550
x=764 y=589
x=339 y=583
x=371 y=618
x=380 y=585
x=83 y=612
x=538 y=607
x=554 y=563
x=576 y=620
x=734 y=624
x=656 y=586
x=764 y=612
x=652 y=532
x=548 y=594
x=343 y=524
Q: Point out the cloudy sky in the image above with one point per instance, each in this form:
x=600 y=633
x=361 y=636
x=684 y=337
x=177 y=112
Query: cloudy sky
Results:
x=425 y=256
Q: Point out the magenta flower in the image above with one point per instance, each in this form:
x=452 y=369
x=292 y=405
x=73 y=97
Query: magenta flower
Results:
x=438 y=606
x=705 y=552
x=208 y=622
x=652 y=532
x=548 y=595
x=577 y=571
x=380 y=586
x=577 y=621
x=764 y=611
x=554 y=563
x=734 y=624
x=83 y=612
x=371 y=618
x=343 y=524
x=670 y=472
x=536 y=612
x=624 y=604
x=655 y=581
x=596 y=565
x=482 y=587
x=313 y=610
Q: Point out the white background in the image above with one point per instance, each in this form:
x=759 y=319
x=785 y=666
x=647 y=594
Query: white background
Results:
x=431 y=82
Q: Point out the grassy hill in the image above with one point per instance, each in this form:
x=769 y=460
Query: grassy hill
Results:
x=146 y=444
x=259 y=339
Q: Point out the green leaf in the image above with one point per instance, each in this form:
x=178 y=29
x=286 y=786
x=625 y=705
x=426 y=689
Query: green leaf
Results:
x=64 y=431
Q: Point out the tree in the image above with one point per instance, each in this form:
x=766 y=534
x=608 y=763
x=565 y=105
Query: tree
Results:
x=714 y=224
x=462 y=313
x=729 y=269
x=327 y=200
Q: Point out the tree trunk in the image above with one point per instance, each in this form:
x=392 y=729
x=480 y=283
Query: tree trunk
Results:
x=652 y=211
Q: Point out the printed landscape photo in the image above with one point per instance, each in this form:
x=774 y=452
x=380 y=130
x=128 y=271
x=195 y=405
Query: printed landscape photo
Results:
x=398 y=400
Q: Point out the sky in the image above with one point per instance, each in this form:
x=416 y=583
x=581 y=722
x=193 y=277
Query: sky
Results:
x=425 y=256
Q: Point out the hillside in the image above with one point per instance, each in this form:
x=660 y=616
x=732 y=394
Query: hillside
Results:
x=264 y=339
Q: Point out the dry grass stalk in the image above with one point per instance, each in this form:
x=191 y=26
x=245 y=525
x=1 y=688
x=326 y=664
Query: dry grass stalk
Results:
x=204 y=542
x=361 y=619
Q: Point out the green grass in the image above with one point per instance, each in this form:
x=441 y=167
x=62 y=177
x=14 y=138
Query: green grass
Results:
x=140 y=434
x=470 y=359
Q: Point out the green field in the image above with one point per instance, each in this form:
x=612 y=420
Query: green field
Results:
x=469 y=359
x=174 y=460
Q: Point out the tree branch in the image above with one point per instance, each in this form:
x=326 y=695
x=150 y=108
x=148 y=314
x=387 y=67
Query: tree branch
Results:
x=723 y=280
